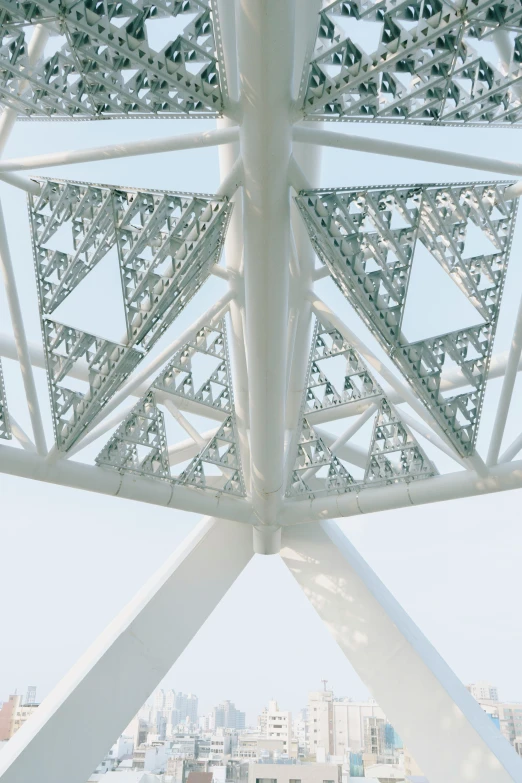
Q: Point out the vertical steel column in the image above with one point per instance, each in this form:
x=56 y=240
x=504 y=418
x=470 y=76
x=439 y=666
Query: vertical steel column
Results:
x=266 y=31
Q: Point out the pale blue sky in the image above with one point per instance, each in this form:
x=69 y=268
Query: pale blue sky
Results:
x=70 y=560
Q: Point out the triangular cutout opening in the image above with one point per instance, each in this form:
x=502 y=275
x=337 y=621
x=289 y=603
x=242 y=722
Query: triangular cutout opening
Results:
x=96 y=304
x=477 y=242
x=434 y=303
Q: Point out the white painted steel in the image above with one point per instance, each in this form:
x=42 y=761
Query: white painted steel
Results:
x=22 y=349
x=189 y=141
x=449 y=735
x=450 y=486
x=20 y=182
x=399 y=150
x=265 y=54
x=69 y=734
x=69 y=473
x=35 y=50
x=506 y=393
x=512 y=450
x=187 y=449
x=93 y=432
x=23 y=439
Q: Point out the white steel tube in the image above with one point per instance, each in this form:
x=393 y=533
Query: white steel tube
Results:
x=184 y=423
x=450 y=486
x=21 y=436
x=345 y=436
x=69 y=473
x=348 y=451
x=128 y=659
x=506 y=393
x=187 y=449
x=399 y=150
x=189 y=141
x=512 y=450
x=22 y=183
x=234 y=265
x=449 y=734
x=20 y=338
x=265 y=37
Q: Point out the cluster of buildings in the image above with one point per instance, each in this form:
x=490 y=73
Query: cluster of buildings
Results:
x=332 y=740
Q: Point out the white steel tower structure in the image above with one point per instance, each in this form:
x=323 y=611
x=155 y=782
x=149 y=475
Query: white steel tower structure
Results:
x=267 y=475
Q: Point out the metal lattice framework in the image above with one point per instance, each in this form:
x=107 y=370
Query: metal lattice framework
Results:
x=298 y=423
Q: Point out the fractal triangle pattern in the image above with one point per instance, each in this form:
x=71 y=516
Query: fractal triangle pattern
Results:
x=109 y=60
x=166 y=245
x=419 y=61
x=368 y=238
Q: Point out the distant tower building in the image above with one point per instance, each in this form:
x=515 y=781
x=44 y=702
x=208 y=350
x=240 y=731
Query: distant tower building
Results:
x=159 y=700
x=320 y=723
x=30 y=699
x=170 y=700
x=226 y=716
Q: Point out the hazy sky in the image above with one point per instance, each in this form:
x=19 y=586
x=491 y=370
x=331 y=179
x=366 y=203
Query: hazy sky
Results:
x=70 y=561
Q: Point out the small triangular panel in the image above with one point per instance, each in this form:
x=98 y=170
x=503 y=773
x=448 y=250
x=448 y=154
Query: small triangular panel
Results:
x=5 y=427
x=218 y=465
x=316 y=470
x=108 y=363
x=73 y=229
x=139 y=445
x=423 y=363
x=109 y=62
x=178 y=377
x=367 y=240
x=449 y=215
x=394 y=453
x=324 y=391
x=167 y=245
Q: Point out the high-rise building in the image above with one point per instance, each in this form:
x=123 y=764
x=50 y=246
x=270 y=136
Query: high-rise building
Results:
x=320 y=723
x=226 y=716
x=336 y=726
x=274 y=723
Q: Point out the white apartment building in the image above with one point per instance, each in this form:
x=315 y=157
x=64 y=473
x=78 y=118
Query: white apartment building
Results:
x=483 y=691
x=276 y=724
x=338 y=726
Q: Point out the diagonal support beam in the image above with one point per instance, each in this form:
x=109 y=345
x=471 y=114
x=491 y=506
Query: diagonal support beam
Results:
x=449 y=735
x=128 y=660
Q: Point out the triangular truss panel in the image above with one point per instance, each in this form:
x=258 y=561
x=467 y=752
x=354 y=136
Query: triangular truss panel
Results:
x=112 y=59
x=218 y=465
x=140 y=444
x=394 y=452
x=89 y=212
x=316 y=470
x=166 y=245
x=367 y=239
x=393 y=455
x=5 y=427
x=178 y=376
x=396 y=60
x=329 y=344
x=108 y=363
x=352 y=232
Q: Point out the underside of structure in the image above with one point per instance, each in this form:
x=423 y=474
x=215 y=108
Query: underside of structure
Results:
x=279 y=454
